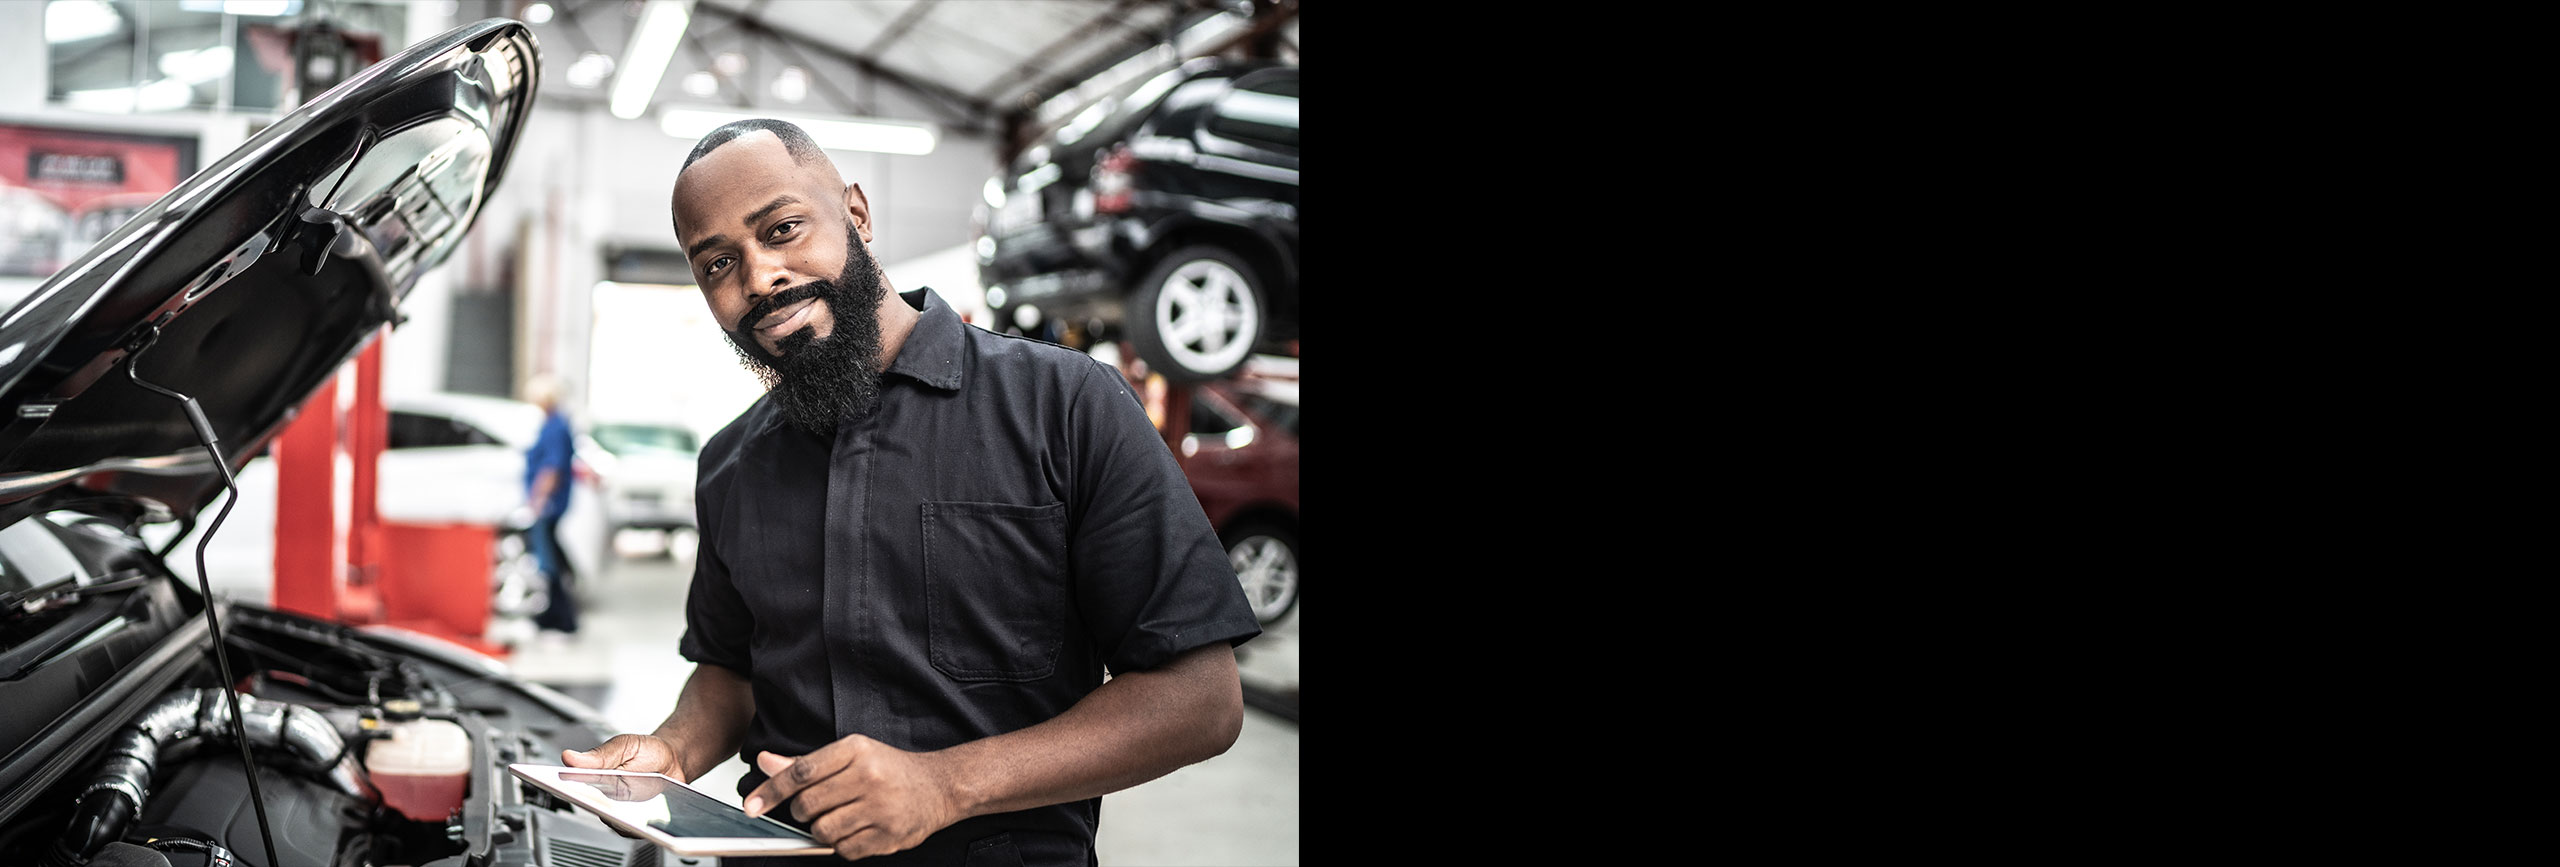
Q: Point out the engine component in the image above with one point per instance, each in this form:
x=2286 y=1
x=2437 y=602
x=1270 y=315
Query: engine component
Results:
x=128 y=855
x=178 y=724
x=421 y=766
x=214 y=854
x=207 y=799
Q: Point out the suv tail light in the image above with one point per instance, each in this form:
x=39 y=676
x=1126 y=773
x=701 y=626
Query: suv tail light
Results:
x=1113 y=180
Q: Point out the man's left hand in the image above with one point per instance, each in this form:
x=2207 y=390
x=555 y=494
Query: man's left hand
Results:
x=861 y=796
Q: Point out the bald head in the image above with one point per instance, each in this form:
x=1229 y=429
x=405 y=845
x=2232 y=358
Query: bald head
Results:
x=753 y=153
x=794 y=141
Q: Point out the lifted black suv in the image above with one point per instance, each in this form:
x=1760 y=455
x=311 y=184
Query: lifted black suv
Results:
x=1166 y=214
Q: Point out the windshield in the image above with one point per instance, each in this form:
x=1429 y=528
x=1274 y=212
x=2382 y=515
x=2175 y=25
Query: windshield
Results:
x=626 y=440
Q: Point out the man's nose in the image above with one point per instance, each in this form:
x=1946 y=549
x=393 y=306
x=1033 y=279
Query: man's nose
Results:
x=766 y=275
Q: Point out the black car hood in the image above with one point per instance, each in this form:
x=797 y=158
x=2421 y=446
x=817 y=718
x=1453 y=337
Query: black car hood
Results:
x=253 y=281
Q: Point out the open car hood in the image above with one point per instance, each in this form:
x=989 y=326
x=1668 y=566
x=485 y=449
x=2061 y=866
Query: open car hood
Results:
x=253 y=281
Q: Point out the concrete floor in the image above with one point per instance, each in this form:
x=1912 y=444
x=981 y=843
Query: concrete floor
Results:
x=1237 y=810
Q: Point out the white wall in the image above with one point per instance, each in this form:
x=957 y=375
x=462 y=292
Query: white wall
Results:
x=951 y=272
x=22 y=58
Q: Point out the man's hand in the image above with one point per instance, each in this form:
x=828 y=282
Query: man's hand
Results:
x=861 y=796
x=647 y=753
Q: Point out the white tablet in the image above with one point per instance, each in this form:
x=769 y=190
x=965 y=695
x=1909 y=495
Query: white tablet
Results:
x=677 y=817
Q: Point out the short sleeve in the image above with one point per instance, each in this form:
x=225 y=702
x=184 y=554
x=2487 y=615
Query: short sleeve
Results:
x=1151 y=579
x=716 y=625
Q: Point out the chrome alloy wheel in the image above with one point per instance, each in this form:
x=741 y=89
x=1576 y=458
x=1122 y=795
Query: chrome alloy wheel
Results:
x=1269 y=572
x=1207 y=315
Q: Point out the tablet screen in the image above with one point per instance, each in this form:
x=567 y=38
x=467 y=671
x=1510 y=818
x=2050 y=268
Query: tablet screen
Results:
x=677 y=810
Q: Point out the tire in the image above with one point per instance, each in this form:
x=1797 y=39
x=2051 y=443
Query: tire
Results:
x=1265 y=558
x=1197 y=314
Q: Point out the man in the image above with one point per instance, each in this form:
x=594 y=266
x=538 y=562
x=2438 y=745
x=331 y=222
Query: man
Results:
x=921 y=550
x=547 y=473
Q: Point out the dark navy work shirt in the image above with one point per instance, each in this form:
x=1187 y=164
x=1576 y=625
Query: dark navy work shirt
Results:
x=965 y=560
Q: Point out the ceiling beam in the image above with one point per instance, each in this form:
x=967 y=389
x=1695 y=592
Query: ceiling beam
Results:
x=1038 y=61
x=844 y=102
x=1139 y=40
x=973 y=115
x=567 y=15
x=906 y=21
x=744 y=95
x=1263 y=35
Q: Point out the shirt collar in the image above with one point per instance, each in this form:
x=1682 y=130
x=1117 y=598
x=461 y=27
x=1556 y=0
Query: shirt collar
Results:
x=933 y=350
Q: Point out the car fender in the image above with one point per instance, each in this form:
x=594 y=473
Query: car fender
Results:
x=1250 y=234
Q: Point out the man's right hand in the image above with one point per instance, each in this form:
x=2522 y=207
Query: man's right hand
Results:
x=645 y=753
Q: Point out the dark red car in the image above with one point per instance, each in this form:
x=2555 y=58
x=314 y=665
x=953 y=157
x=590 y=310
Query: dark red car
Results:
x=1242 y=458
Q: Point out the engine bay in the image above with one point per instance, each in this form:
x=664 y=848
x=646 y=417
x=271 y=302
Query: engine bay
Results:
x=372 y=747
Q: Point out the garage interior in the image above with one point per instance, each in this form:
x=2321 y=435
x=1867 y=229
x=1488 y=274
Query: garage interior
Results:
x=958 y=118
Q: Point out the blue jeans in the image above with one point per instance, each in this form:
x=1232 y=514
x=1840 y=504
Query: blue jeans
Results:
x=562 y=612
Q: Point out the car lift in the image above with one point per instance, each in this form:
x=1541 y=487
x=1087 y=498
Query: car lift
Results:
x=336 y=558
x=1169 y=403
x=328 y=538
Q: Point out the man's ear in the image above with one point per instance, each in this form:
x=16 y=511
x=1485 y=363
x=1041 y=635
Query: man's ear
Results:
x=860 y=210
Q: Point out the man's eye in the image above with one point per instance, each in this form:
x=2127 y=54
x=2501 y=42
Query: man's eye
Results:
x=785 y=228
x=716 y=266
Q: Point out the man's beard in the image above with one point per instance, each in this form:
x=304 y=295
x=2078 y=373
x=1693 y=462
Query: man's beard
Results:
x=815 y=382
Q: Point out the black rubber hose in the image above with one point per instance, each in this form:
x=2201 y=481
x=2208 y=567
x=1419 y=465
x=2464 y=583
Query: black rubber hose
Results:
x=98 y=822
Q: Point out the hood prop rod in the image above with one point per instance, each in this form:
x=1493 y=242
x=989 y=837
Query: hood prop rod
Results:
x=221 y=660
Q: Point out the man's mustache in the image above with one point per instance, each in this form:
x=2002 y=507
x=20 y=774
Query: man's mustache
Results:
x=762 y=310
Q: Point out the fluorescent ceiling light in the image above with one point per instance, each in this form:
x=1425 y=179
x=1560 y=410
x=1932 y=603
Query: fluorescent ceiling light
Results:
x=653 y=43
x=1214 y=27
x=108 y=99
x=591 y=69
x=75 y=20
x=791 y=84
x=166 y=94
x=844 y=134
x=196 y=66
x=260 y=8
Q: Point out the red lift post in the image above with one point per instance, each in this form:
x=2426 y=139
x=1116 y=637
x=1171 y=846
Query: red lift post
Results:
x=335 y=558
x=318 y=572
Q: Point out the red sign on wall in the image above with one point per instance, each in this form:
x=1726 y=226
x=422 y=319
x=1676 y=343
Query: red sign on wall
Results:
x=62 y=190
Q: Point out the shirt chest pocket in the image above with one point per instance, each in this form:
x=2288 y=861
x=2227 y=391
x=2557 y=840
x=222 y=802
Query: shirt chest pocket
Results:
x=995 y=589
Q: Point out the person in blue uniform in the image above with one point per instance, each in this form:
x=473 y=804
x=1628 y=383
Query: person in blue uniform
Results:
x=951 y=586
x=548 y=473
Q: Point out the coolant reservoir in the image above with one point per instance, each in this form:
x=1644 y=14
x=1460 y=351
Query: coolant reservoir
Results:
x=422 y=767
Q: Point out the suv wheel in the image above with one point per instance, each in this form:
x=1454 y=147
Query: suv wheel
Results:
x=1197 y=314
